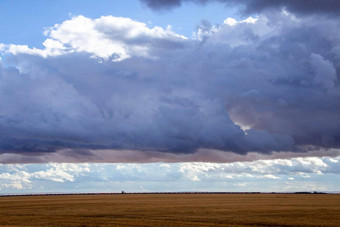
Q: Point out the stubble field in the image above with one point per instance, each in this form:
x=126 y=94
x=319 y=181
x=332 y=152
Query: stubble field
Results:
x=172 y=210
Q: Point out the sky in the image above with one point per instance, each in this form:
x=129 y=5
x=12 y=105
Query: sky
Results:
x=170 y=95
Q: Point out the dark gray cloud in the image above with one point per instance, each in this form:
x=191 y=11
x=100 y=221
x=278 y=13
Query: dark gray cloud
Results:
x=256 y=6
x=261 y=85
x=138 y=156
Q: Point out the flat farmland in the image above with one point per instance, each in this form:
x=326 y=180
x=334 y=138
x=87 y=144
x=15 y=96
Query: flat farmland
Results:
x=172 y=210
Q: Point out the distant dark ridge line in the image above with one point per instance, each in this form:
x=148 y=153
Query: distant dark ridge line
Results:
x=132 y=193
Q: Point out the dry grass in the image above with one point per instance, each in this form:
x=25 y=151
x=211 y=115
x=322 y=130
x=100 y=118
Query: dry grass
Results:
x=172 y=210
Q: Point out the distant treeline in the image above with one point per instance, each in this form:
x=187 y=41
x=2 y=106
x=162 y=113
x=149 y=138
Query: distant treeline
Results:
x=123 y=192
x=315 y=192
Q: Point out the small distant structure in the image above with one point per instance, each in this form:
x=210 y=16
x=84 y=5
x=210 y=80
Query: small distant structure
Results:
x=123 y=192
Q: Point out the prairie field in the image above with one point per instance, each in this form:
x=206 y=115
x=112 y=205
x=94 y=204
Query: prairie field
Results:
x=172 y=210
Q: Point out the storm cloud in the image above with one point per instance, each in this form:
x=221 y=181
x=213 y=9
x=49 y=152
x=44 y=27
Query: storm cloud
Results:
x=257 y=6
x=261 y=84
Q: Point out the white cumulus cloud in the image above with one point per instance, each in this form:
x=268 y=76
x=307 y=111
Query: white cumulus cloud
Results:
x=107 y=37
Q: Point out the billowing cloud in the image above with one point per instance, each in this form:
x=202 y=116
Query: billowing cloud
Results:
x=107 y=38
x=261 y=84
x=251 y=6
x=283 y=175
x=19 y=177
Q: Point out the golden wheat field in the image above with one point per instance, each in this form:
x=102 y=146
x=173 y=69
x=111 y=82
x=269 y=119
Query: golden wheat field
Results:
x=172 y=210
